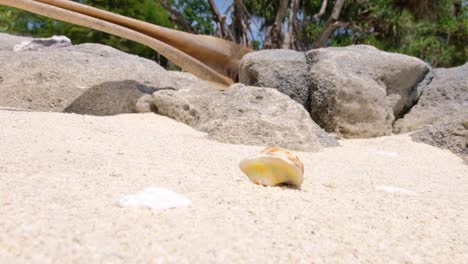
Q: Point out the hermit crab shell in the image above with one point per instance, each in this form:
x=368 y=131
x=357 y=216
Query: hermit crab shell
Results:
x=274 y=166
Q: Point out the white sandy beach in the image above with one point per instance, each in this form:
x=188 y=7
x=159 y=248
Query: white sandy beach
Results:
x=61 y=176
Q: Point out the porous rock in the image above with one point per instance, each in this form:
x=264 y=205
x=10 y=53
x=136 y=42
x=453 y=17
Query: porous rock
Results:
x=444 y=98
x=244 y=115
x=359 y=91
x=8 y=41
x=449 y=134
x=284 y=70
x=86 y=79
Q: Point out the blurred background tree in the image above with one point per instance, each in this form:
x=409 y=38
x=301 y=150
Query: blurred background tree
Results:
x=435 y=31
x=24 y=23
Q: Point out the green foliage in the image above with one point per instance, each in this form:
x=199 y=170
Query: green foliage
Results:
x=264 y=10
x=435 y=31
x=198 y=12
x=438 y=35
x=256 y=44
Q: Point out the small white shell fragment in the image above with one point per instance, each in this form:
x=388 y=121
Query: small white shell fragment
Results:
x=393 y=189
x=43 y=43
x=388 y=154
x=155 y=198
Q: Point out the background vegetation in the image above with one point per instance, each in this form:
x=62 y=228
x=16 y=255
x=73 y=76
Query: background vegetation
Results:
x=435 y=31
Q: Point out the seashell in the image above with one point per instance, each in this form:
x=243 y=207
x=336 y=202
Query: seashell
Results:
x=274 y=166
x=155 y=198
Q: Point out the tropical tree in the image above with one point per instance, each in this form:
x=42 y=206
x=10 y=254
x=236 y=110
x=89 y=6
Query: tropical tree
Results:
x=435 y=31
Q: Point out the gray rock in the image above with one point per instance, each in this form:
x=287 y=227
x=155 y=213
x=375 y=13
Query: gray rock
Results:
x=359 y=91
x=244 y=115
x=109 y=98
x=86 y=79
x=43 y=43
x=99 y=80
x=445 y=97
x=7 y=41
x=451 y=134
x=284 y=70
x=145 y=104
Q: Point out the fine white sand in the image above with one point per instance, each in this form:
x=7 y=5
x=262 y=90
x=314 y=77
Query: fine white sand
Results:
x=384 y=200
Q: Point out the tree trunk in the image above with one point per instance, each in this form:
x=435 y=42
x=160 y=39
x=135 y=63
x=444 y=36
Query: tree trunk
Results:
x=323 y=8
x=223 y=31
x=239 y=26
x=290 y=35
x=330 y=25
x=274 y=37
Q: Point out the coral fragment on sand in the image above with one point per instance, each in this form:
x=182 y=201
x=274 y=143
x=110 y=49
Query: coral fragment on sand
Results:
x=155 y=198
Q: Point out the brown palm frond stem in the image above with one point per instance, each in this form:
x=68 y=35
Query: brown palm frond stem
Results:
x=221 y=55
x=178 y=57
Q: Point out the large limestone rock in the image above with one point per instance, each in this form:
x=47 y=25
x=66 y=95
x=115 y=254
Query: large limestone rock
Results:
x=8 y=42
x=244 y=115
x=99 y=80
x=87 y=79
x=284 y=70
x=446 y=97
x=450 y=134
x=359 y=91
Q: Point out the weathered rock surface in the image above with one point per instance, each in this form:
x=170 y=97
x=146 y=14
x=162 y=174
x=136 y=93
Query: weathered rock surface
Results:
x=8 y=42
x=284 y=70
x=244 y=115
x=451 y=134
x=109 y=98
x=87 y=79
x=359 y=91
x=446 y=97
x=99 y=80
